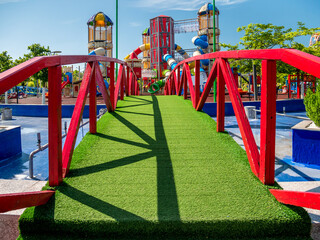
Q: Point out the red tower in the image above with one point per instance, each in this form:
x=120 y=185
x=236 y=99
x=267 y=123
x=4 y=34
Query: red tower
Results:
x=161 y=41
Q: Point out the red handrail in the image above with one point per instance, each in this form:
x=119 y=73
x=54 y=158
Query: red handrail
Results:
x=262 y=163
x=59 y=161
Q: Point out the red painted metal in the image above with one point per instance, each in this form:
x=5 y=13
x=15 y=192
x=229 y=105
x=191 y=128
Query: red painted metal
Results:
x=289 y=85
x=123 y=83
x=177 y=71
x=190 y=83
x=268 y=121
x=185 y=83
x=244 y=126
x=220 y=100
x=76 y=119
x=208 y=86
x=119 y=83
x=103 y=88
x=111 y=85
x=65 y=83
x=298 y=86
x=197 y=83
x=13 y=201
x=54 y=126
x=300 y=199
x=127 y=81
x=93 y=104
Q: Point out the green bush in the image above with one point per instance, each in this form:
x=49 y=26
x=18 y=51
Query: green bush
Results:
x=312 y=103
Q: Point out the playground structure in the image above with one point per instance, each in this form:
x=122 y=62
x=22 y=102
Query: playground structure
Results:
x=314 y=39
x=159 y=46
x=100 y=38
x=299 y=80
x=179 y=81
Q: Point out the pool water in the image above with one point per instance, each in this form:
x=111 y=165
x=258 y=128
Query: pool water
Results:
x=285 y=169
x=18 y=167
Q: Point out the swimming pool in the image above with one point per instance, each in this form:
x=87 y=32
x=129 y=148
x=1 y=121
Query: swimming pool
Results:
x=285 y=169
x=18 y=167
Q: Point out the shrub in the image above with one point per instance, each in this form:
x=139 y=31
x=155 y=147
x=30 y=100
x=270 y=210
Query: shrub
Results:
x=312 y=104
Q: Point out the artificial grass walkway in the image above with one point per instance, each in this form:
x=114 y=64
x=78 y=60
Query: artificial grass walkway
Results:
x=158 y=168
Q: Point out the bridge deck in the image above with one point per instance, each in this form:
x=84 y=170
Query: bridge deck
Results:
x=157 y=167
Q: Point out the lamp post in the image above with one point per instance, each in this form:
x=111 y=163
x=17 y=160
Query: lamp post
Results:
x=117 y=26
x=214 y=46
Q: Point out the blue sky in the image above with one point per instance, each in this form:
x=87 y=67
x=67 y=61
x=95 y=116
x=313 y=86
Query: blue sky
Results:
x=61 y=24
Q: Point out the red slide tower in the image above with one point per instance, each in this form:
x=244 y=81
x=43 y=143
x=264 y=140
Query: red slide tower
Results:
x=162 y=41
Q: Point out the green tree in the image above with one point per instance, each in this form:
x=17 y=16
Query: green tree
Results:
x=36 y=50
x=268 y=36
x=5 y=61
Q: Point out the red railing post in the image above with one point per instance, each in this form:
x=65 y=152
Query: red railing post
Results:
x=197 y=83
x=111 y=85
x=289 y=86
x=54 y=126
x=220 y=100
x=93 y=104
x=122 y=86
x=268 y=121
x=178 y=80
x=127 y=81
x=298 y=86
x=185 y=83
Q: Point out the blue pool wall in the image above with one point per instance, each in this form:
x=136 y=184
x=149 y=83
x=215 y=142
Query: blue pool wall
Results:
x=293 y=105
x=306 y=146
x=10 y=142
x=42 y=110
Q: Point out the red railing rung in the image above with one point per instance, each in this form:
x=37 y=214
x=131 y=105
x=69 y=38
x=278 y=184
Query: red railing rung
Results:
x=13 y=201
x=76 y=119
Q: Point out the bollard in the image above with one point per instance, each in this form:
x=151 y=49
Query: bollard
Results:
x=250 y=111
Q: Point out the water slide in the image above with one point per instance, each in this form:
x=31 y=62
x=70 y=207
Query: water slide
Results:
x=137 y=51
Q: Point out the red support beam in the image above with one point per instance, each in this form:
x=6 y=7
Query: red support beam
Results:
x=220 y=101
x=289 y=85
x=208 y=86
x=197 y=83
x=119 y=83
x=244 y=126
x=300 y=199
x=190 y=83
x=76 y=119
x=298 y=86
x=127 y=81
x=185 y=83
x=111 y=85
x=103 y=88
x=13 y=201
x=130 y=83
x=268 y=121
x=178 y=80
x=123 y=84
x=54 y=126
x=93 y=105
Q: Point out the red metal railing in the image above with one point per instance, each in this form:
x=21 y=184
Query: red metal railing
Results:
x=59 y=160
x=262 y=163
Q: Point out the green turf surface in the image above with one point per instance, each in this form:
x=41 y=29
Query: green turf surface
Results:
x=157 y=167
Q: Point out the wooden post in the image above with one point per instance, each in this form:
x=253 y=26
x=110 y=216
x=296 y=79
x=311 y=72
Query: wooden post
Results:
x=197 y=83
x=268 y=121
x=93 y=104
x=111 y=85
x=54 y=126
x=220 y=101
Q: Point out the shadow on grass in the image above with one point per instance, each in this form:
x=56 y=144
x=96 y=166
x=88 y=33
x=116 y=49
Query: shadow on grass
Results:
x=168 y=209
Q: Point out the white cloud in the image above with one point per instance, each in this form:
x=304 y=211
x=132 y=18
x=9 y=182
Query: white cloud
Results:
x=135 y=24
x=183 y=5
x=10 y=1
